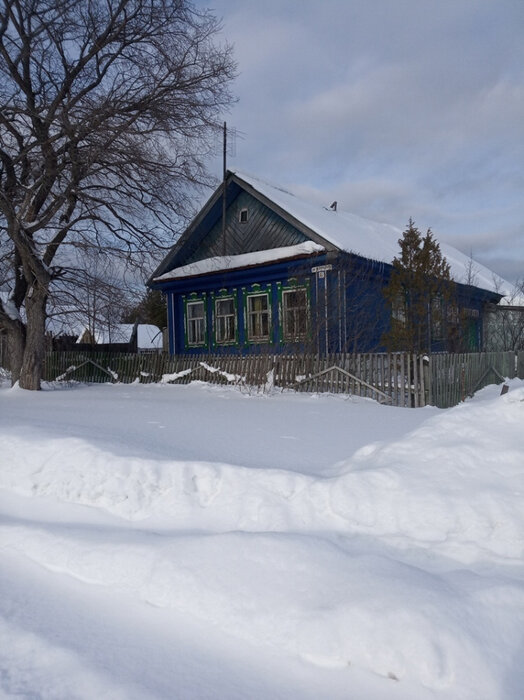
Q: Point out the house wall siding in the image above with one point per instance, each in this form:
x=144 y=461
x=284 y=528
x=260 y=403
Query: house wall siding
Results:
x=348 y=312
x=346 y=307
x=264 y=229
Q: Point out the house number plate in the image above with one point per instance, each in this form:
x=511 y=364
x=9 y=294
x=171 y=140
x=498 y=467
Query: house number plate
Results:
x=322 y=269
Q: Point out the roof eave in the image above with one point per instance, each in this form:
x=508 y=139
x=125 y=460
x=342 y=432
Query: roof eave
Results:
x=240 y=268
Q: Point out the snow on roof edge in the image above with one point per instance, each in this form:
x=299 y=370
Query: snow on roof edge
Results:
x=235 y=262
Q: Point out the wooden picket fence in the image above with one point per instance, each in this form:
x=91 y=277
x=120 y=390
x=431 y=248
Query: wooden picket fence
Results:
x=453 y=377
x=398 y=379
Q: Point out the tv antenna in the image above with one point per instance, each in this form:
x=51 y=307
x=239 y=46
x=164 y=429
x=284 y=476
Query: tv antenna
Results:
x=231 y=150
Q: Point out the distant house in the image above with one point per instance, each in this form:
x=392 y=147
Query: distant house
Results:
x=124 y=337
x=280 y=274
x=504 y=327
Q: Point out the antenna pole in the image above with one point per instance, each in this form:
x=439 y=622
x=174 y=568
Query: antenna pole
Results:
x=224 y=168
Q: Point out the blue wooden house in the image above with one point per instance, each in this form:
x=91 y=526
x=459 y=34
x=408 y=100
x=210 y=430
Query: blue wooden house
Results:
x=266 y=271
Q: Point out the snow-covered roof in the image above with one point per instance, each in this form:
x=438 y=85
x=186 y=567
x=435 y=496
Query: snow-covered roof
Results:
x=115 y=333
x=149 y=337
x=371 y=239
x=234 y=262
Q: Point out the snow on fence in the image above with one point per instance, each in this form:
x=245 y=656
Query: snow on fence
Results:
x=398 y=379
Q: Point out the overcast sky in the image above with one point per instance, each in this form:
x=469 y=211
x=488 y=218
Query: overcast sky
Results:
x=395 y=108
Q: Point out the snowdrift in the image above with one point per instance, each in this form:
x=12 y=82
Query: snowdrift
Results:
x=405 y=562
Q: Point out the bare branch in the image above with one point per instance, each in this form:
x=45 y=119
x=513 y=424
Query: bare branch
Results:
x=107 y=113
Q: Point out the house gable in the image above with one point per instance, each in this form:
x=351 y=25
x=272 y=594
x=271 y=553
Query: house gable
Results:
x=263 y=229
x=268 y=226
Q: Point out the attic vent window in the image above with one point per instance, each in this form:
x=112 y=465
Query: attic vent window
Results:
x=243 y=216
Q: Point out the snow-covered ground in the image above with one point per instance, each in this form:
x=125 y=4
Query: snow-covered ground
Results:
x=195 y=542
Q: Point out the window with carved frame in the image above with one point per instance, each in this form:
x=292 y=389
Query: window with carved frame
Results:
x=195 y=322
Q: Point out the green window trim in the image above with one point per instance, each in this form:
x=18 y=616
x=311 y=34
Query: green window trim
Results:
x=257 y=302
x=195 y=321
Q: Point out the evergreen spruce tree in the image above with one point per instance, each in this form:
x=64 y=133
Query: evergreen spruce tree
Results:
x=419 y=289
x=151 y=309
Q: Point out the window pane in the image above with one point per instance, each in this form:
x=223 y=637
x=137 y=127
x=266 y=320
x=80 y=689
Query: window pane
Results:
x=195 y=309
x=225 y=307
x=258 y=303
x=225 y=318
x=252 y=326
x=196 y=332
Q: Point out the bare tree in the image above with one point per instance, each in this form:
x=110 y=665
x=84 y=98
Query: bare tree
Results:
x=107 y=111
x=151 y=308
x=470 y=272
x=92 y=297
x=504 y=323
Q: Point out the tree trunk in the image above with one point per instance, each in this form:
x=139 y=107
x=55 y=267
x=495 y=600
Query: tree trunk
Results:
x=33 y=359
x=15 y=345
